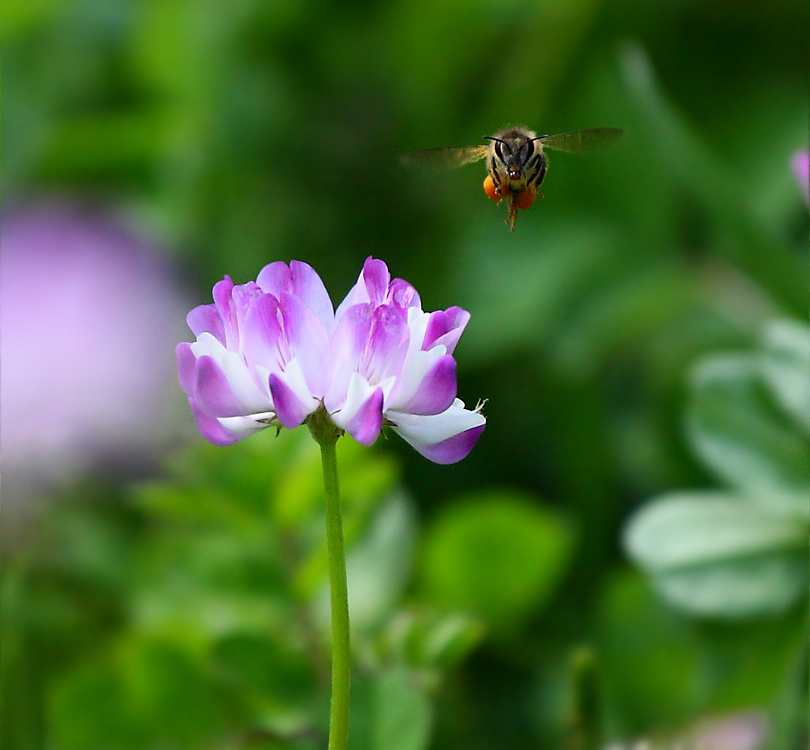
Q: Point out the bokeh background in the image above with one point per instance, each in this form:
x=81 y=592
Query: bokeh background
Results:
x=623 y=555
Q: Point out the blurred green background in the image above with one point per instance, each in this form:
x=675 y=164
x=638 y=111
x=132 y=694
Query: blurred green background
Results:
x=180 y=604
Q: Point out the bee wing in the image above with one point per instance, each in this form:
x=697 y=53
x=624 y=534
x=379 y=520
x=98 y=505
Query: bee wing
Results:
x=444 y=157
x=580 y=141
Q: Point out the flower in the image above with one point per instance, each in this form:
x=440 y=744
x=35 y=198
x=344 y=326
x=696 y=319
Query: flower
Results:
x=273 y=352
x=85 y=302
x=801 y=168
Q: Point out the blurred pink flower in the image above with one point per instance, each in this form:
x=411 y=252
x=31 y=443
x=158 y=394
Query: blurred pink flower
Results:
x=87 y=315
x=801 y=168
x=742 y=731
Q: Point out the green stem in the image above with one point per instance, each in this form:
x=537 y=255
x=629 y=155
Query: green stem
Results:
x=339 y=713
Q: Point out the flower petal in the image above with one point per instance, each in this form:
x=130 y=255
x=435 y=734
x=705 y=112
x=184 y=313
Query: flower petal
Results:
x=292 y=399
x=443 y=438
x=427 y=384
x=402 y=295
x=206 y=319
x=453 y=449
x=445 y=327
x=262 y=341
x=211 y=428
x=223 y=301
x=387 y=345
x=371 y=286
x=361 y=414
x=228 y=430
x=347 y=344
x=224 y=388
x=275 y=278
x=186 y=367
x=308 y=286
x=308 y=341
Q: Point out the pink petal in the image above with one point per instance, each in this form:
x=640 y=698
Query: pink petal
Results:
x=275 y=278
x=307 y=285
x=210 y=427
x=186 y=367
x=223 y=299
x=402 y=295
x=366 y=423
x=445 y=327
x=206 y=319
x=375 y=277
x=444 y=438
x=371 y=286
x=308 y=341
x=262 y=341
x=437 y=390
x=387 y=344
x=213 y=393
x=347 y=346
x=453 y=449
x=291 y=402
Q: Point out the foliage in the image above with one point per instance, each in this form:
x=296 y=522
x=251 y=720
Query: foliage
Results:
x=189 y=611
x=739 y=552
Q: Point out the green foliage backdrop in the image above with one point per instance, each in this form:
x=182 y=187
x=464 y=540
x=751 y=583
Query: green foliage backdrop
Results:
x=635 y=336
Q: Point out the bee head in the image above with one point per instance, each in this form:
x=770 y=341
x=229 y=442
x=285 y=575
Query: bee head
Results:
x=514 y=153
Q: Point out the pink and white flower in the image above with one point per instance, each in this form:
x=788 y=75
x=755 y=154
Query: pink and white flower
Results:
x=274 y=351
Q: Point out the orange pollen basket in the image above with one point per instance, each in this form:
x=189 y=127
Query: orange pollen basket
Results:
x=526 y=197
x=492 y=191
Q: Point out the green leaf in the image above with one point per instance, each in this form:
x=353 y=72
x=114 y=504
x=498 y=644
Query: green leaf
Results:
x=278 y=674
x=426 y=639
x=786 y=368
x=389 y=712
x=647 y=656
x=718 y=555
x=497 y=555
x=735 y=429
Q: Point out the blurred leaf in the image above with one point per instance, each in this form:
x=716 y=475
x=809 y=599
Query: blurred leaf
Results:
x=430 y=640
x=736 y=430
x=750 y=238
x=516 y=298
x=786 y=368
x=749 y=662
x=150 y=694
x=205 y=584
x=625 y=314
x=277 y=676
x=88 y=709
x=647 y=657
x=498 y=555
x=718 y=555
x=389 y=712
x=379 y=565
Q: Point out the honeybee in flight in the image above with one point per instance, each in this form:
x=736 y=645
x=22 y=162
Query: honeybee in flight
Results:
x=516 y=160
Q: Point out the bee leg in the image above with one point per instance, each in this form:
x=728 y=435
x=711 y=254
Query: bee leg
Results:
x=512 y=218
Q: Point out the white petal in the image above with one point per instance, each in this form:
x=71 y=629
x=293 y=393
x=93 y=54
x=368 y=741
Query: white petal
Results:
x=427 y=430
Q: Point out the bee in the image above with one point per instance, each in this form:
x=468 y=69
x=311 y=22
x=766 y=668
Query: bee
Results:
x=516 y=160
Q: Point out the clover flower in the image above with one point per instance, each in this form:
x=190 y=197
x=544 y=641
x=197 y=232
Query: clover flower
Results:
x=274 y=352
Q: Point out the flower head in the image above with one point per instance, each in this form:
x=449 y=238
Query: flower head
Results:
x=274 y=351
